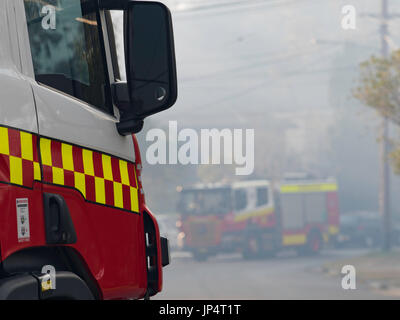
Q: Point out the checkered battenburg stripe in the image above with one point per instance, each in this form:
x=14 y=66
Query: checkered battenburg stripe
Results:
x=99 y=177
x=19 y=163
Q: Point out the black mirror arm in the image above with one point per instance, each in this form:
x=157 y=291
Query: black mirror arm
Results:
x=128 y=122
x=129 y=127
x=120 y=93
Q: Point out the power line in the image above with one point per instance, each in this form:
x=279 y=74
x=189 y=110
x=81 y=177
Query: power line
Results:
x=261 y=84
x=237 y=5
x=263 y=63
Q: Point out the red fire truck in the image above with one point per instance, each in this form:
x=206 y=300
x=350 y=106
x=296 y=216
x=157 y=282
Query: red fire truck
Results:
x=257 y=219
x=73 y=221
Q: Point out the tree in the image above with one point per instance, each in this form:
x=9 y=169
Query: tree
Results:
x=379 y=88
x=379 y=85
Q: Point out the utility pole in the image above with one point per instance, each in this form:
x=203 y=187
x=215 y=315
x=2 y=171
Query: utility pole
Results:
x=384 y=192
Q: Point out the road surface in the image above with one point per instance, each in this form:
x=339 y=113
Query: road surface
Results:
x=284 y=277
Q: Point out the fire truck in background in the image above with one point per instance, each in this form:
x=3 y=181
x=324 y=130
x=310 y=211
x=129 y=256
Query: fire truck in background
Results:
x=257 y=218
x=73 y=221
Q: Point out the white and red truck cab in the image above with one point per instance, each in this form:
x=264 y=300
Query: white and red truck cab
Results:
x=259 y=218
x=71 y=198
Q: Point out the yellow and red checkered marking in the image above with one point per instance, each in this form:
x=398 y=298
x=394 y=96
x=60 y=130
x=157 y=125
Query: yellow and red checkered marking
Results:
x=19 y=163
x=100 y=178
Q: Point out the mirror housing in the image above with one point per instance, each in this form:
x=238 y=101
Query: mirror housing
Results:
x=151 y=85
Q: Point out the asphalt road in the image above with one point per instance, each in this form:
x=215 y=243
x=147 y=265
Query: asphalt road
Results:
x=285 y=277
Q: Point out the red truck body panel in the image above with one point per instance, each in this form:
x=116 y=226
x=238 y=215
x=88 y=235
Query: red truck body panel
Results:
x=110 y=240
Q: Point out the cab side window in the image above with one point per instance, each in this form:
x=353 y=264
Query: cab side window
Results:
x=262 y=196
x=240 y=199
x=66 y=49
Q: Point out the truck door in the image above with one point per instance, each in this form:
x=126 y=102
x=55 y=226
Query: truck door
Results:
x=83 y=158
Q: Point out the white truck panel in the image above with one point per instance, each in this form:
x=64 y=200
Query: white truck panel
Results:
x=23 y=38
x=67 y=119
x=17 y=107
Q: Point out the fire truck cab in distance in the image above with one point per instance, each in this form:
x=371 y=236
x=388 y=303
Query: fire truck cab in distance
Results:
x=257 y=218
x=70 y=169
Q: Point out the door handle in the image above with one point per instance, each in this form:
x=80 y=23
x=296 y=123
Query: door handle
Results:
x=58 y=223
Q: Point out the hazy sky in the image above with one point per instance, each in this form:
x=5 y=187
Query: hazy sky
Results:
x=239 y=59
x=262 y=56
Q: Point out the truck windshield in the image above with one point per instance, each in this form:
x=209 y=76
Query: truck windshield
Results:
x=205 y=202
x=66 y=49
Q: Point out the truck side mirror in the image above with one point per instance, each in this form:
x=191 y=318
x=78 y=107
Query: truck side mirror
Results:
x=150 y=65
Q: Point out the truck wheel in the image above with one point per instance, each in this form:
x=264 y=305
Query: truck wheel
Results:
x=312 y=246
x=314 y=243
x=252 y=248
